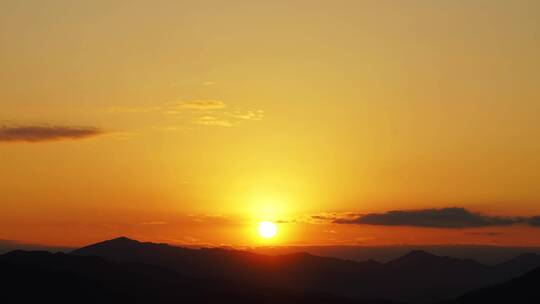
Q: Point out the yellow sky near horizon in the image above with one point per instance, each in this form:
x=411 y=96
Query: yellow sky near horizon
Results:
x=249 y=110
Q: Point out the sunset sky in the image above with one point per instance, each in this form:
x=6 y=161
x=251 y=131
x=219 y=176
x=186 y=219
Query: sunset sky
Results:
x=344 y=122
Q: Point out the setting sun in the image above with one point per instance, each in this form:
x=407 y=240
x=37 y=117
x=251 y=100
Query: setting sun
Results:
x=267 y=229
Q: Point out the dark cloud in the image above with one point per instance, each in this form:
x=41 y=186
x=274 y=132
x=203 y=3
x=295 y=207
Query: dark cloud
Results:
x=534 y=221
x=486 y=233
x=435 y=218
x=335 y=216
x=322 y=217
x=45 y=133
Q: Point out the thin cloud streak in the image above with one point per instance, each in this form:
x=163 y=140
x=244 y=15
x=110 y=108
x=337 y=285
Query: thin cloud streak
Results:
x=207 y=112
x=202 y=105
x=34 y=134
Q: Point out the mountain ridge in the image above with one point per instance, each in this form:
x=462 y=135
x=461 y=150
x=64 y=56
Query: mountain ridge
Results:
x=416 y=276
x=62 y=278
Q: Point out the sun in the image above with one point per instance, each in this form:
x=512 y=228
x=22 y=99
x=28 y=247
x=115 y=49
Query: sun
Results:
x=267 y=229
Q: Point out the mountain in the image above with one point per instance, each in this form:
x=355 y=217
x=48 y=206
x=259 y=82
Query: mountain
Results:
x=417 y=277
x=44 y=277
x=519 y=265
x=300 y=271
x=421 y=276
x=127 y=271
x=430 y=265
x=485 y=254
x=28 y=276
x=521 y=290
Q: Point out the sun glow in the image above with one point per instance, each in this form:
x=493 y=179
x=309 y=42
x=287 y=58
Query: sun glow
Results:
x=267 y=229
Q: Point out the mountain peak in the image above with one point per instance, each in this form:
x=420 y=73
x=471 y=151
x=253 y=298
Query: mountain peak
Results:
x=119 y=244
x=121 y=239
x=419 y=254
x=414 y=258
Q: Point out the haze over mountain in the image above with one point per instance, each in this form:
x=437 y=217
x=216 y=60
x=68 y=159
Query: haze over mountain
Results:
x=485 y=254
x=10 y=245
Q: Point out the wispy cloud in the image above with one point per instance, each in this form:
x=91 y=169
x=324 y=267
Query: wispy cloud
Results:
x=246 y=115
x=201 y=105
x=437 y=218
x=213 y=121
x=207 y=112
x=46 y=133
x=138 y=109
x=214 y=219
x=328 y=217
x=154 y=223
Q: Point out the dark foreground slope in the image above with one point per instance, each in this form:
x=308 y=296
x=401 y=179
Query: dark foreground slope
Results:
x=521 y=290
x=42 y=277
x=415 y=277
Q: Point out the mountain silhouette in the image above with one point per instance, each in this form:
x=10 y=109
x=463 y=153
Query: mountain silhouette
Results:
x=43 y=277
x=416 y=277
x=299 y=271
x=519 y=265
x=522 y=290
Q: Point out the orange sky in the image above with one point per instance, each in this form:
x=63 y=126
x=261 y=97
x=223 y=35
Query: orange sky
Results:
x=190 y=121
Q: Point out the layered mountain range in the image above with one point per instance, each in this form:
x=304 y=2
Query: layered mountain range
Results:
x=128 y=271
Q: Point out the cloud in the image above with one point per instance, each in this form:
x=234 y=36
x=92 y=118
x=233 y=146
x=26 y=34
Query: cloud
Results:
x=176 y=107
x=434 y=218
x=217 y=219
x=489 y=233
x=207 y=112
x=323 y=218
x=246 y=115
x=534 y=221
x=212 y=120
x=139 y=109
x=229 y=119
x=46 y=133
x=202 y=105
x=153 y=223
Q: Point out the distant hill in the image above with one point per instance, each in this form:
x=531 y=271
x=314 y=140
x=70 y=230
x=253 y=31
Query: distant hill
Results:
x=521 y=290
x=519 y=265
x=485 y=254
x=43 y=277
x=7 y=246
x=416 y=277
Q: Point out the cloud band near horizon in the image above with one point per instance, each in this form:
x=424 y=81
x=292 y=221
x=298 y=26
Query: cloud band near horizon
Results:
x=34 y=134
x=453 y=218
